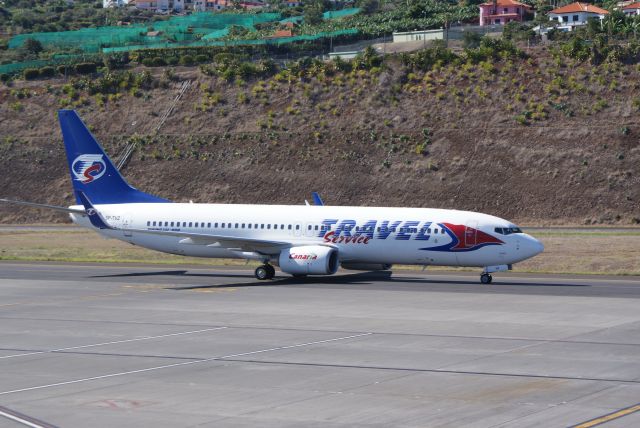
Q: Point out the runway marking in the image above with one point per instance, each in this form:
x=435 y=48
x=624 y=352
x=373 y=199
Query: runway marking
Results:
x=186 y=363
x=113 y=343
x=609 y=417
x=23 y=419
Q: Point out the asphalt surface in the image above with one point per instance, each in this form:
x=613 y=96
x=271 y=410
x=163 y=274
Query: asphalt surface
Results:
x=135 y=346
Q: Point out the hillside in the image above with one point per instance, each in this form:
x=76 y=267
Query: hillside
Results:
x=538 y=138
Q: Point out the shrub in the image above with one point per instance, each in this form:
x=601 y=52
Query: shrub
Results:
x=173 y=60
x=47 y=71
x=147 y=62
x=4 y=77
x=86 y=68
x=186 y=60
x=64 y=70
x=202 y=58
x=31 y=73
x=117 y=60
x=158 y=62
x=470 y=40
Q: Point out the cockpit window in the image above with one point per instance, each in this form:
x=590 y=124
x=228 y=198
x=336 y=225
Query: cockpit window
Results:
x=507 y=230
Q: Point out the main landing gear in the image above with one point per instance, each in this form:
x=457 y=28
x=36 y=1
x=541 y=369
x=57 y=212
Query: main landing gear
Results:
x=265 y=271
x=486 y=278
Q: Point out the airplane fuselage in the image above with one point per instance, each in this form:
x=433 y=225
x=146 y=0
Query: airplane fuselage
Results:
x=419 y=236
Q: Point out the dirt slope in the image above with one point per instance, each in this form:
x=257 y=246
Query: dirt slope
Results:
x=534 y=141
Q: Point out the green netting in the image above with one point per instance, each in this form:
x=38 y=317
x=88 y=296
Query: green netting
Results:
x=218 y=34
x=200 y=43
x=332 y=14
x=337 y=14
x=175 y=29
x=199 y=29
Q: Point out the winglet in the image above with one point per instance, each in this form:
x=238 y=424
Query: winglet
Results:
x=94 y=216
x=317 y=200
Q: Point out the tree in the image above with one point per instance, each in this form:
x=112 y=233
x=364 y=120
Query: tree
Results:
x=313 y=13
x=32 y=46
x=471 y=40
x=368 y=6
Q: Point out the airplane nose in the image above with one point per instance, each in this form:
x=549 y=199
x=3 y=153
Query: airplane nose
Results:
x=535 y=246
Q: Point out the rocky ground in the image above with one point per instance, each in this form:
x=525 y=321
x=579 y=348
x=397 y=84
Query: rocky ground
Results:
x=537 y=140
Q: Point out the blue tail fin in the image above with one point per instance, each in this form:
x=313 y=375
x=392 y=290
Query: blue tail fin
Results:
x=92 y=172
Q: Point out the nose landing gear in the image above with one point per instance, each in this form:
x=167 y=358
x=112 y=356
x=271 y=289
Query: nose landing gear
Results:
x=486 y=277
x=265 y=271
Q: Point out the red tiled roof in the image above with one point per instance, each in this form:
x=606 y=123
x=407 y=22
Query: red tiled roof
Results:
x=282 y=33
x=580 y=7
x=504 y=3
x=632 y=6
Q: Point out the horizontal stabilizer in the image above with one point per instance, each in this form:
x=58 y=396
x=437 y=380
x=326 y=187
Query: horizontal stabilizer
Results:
x=44 y=206
x=94 y=216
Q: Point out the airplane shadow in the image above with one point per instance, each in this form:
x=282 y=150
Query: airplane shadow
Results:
x=362 y=278
x=368 y=278
x=166 y=273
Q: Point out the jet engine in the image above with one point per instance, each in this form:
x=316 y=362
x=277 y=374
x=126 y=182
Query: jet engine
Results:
x=309 y=260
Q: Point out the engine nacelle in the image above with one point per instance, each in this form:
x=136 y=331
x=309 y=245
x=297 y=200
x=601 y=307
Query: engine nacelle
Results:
x=309 y=260
x=365 y=266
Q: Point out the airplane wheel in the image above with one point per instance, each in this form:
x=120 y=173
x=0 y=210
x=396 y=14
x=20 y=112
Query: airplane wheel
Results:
x=271 y=271
x=262 y=272
x=485 y=278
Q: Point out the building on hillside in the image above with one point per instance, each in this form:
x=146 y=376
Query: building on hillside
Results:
x=114 y=3
x=293 y=3
x=280 y=34
x=576 y=14
x=632 y=9
x=412 y=36
x=216 y=5
x=502 y=11
x=162 y=6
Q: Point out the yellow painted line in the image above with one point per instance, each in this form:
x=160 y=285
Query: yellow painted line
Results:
x=609 y=417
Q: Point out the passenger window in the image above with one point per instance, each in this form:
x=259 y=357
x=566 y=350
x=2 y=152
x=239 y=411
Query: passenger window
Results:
x=289 y=227
x=166 y=224
x=249 y=225
x=228 y=225
x=297 y=227
x=148 y=223
x=208 y=225
x=282 y=227
x=222 y=225
x=237 y=225
x=268 y=226
x=442 y=231
x=261 y=226
x=171 y=224
x=316 y=227
x=215 y=225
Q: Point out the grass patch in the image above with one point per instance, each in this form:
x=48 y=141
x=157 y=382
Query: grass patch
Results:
x=566 y=252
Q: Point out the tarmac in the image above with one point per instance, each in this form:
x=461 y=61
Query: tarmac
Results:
x=100 y=345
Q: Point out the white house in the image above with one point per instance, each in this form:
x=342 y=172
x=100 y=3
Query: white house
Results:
x=632 y=9
x=163 y=5
x=576 y=14
x=114 y=3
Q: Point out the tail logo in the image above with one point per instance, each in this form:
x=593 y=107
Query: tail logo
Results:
x=88 y=168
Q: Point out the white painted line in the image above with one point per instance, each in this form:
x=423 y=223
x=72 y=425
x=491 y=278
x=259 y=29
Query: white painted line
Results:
x=112 y=343
x=186 y=363
x=20 y=420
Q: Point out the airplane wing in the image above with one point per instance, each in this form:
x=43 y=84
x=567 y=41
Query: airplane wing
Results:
x=228 y=242
x=233 y=243
x=50 y=207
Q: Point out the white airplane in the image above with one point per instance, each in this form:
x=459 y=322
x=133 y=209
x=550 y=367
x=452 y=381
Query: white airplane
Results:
x=302 y=240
